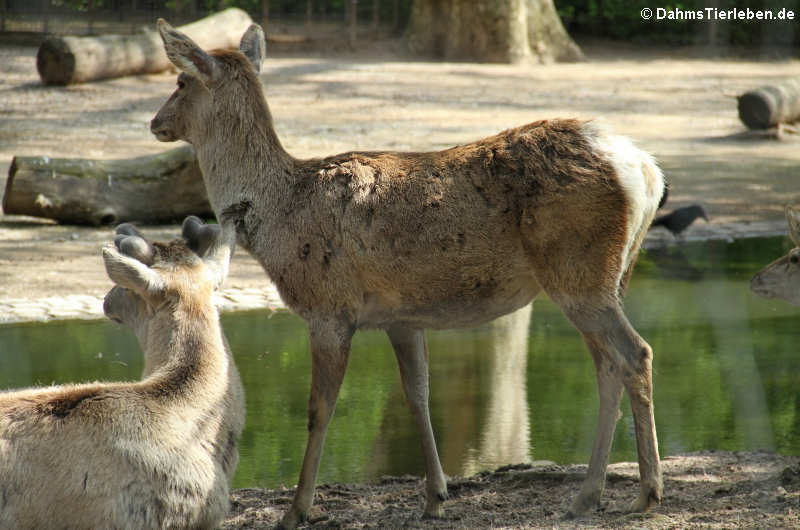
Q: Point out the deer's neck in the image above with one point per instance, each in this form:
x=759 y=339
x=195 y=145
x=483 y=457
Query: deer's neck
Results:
x=194 y=361
x=241 y=157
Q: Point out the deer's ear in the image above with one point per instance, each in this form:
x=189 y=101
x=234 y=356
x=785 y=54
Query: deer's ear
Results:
x=130 y=273
x=186 y=55
x=793 y=220
x=254 y=46
x=213 y=243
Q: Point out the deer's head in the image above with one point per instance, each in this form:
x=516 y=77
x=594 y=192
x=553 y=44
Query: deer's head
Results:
x=208 y=82
x=157 y=283
x=781 y=278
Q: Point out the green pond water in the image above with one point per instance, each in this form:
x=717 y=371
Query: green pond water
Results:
x=725 y=377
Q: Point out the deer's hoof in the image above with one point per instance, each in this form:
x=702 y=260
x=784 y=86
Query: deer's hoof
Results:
x=438 y=513
x=648 y=497
x=290 y=520
x=434 y=508
x=582 y=504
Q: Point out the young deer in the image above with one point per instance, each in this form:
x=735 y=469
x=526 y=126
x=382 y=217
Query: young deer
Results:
x=157 y=453
x=781 y=278
x=408 y=241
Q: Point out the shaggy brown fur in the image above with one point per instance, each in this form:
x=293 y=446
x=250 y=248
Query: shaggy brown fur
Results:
x=408 y=241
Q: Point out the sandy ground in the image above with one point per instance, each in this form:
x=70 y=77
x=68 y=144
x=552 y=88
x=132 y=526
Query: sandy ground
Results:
x=701 y=490
x=677 y=104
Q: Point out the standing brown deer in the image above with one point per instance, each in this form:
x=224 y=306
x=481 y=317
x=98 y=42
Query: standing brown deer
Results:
x=155 y=453
x=781 y=278
x=408 y=241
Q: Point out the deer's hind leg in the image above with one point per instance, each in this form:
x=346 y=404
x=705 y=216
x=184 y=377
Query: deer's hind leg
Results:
x=609 y=389
x=582 y=271
x=622 y=359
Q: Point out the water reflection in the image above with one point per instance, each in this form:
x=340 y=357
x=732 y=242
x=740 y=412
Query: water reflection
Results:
x=724 y=373
x=505 y=436
x=725 y=305
x=672 y=262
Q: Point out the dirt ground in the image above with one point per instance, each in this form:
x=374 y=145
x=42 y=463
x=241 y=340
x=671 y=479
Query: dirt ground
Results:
x=701 y=490
x=676 y=103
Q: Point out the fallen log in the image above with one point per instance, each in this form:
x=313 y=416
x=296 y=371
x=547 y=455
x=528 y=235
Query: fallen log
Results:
x=69 y=60
x=770 y=105
x=152 y=189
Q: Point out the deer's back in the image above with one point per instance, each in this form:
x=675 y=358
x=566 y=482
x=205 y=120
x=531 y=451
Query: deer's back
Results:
x=432 y=239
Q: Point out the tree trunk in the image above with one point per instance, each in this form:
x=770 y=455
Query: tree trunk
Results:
x=264 y=14
x=548 y=39
x=768 y=106
x=68 y=60
x=91 y=15
x=503 y=31
x=353 y=22
x=134 y=10
x=156 y=188
x=395 y=14
x=46 y=19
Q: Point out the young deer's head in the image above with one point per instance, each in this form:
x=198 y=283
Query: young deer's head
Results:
x=781 y=278
x=158 y=284
x=208 y=85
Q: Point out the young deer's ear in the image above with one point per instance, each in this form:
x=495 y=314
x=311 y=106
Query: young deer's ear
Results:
x=254 y=46
x=793 y=219
x=186 y=55
x=213 y=243
x=130 y=273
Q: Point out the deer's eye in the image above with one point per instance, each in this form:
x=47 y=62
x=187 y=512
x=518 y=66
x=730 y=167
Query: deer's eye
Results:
x=181 y=84
x=794 y=259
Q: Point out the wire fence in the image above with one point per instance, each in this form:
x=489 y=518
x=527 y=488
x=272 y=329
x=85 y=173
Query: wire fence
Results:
x=93 y=17
x=612 y=19
x=48 y=17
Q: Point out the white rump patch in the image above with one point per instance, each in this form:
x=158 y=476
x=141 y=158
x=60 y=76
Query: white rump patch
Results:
x=639 y=176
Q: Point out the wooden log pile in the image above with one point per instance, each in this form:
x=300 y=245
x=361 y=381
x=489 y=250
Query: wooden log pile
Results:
x=157 y=188
x=769 y=106
x=69 y=60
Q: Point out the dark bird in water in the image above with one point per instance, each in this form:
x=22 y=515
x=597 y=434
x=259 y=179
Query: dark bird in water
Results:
x=679 y=220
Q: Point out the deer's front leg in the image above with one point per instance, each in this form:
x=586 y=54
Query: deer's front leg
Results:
x=412 y=357
x=330 y=349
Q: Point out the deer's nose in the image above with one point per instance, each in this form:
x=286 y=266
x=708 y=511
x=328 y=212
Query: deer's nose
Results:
x=155 y=125
x=160 y=130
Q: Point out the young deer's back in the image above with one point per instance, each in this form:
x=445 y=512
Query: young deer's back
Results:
x=108 y=466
